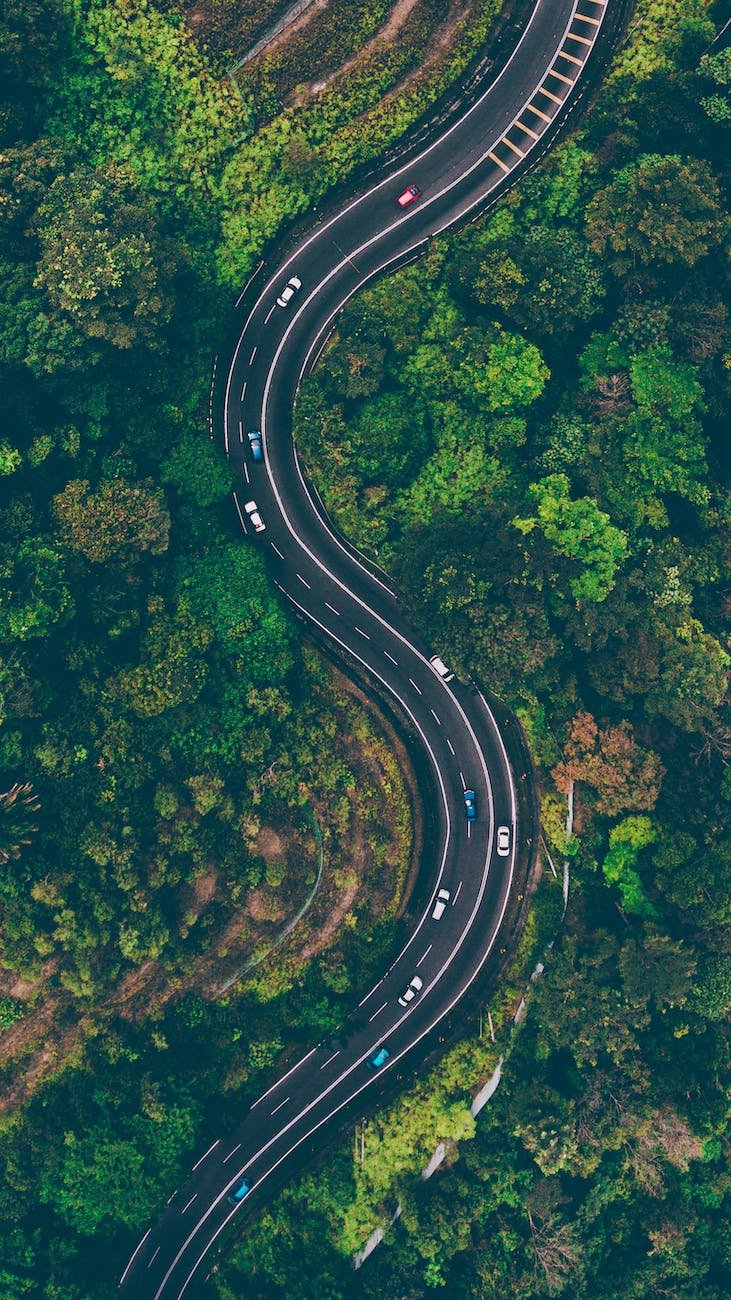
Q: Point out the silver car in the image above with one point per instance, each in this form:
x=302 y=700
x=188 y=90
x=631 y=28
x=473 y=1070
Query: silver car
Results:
x=415 y=985
x=293 y=285
x=252 y=511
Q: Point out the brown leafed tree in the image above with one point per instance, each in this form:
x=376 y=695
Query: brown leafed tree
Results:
x=622 y=774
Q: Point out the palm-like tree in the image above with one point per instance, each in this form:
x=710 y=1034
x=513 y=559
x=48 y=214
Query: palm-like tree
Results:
x=18 y=807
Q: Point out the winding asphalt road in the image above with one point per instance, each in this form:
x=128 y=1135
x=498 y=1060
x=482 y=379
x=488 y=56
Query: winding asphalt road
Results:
x=349 y=602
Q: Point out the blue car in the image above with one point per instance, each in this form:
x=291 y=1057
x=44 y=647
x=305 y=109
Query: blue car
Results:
x=378 y=1059
x=237 y=1194
x=470 y=803
x=254 y=437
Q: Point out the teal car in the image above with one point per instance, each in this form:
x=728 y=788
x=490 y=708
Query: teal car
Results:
x=378 y=1059
x=237 y=1194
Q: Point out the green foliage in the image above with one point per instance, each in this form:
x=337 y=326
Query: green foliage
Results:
x=625 y=843
x=116 y=523
x=657 y=209
x=580 y=531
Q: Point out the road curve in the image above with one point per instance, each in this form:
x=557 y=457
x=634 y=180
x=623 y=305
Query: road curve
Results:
x=349 y=602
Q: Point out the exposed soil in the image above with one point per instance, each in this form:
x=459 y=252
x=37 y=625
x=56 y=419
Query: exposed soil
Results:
x=438 y=46
x=50 y=1034
x=294 y=28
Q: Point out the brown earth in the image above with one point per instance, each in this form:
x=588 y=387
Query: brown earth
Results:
x=51 y=1036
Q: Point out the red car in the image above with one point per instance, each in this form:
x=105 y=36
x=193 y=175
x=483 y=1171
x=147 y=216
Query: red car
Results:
x=408 y=196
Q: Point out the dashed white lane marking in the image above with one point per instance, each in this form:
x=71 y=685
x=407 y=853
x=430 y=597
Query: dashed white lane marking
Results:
x=332 y=608
x=360 y=629
x=451 y=748
x=378 y=1012
x=413 y=683
x=241 y=431
x=190 y=1202
x=424 y=955
x=205 y=1154
x=304 y=582
x=436 y=717
x=469 y=830
x=457 y=893
x=243 y=390
x=154 y=1257
x=279 y=1107
x=464 y=783
x=268 y=316
x=253 y=354
x=246 y=472
x=292 y=1069
x=389 y=656
x=276 y=548
x=329 y=1059
x=171 y=1197
x=232 y=1153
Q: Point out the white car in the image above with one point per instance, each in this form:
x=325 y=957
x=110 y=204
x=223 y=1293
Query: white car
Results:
x=503 y=841
x=440 y=905
x=252 y=511
x=441 y=669
x=416 y=983
x=293 y=285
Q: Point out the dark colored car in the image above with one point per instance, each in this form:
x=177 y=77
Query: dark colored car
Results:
x=408 y=196
x=378 y=1059
x=237 y=1194
x=470 y=803
x=257 y=451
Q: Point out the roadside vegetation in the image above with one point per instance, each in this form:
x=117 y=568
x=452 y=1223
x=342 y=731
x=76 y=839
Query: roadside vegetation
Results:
x=530 y=428
x=172 y=759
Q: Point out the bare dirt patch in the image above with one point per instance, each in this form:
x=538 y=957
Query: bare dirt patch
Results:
x=368 y=858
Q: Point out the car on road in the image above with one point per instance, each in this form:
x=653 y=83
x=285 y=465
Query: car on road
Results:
x=237 y=1194
x=408 y=196
x=415 y=985
x=257 y=451
x=377 y=1059
x=440 y=905
x=252 y=511
x=440 y=668
x=293 y=286
x=470 y=804
x=503 y=841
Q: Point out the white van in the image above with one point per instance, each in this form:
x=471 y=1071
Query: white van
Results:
x=440 y=668
x=440 y=904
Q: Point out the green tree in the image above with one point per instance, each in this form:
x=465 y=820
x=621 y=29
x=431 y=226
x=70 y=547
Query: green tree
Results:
x=506 y=374
x=228 y=590
x=104 y=263
x=116 y=523
x=196 y=469
x=579 y=531
x=716 y=70
x=625 y=843
x=657 y=209
x=79 y=1187
x=34 y=590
